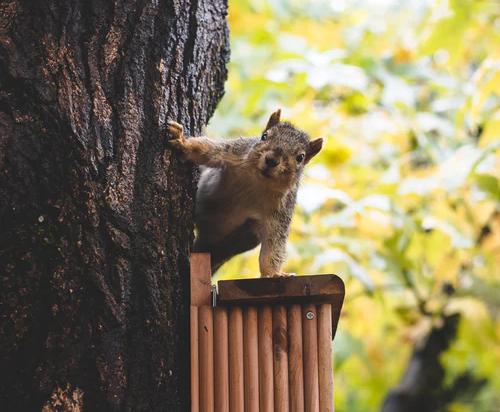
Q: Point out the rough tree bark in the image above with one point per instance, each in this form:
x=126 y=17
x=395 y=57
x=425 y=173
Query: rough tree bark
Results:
x=96 y=212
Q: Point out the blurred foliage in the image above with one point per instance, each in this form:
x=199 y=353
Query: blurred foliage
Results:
x=403 y=202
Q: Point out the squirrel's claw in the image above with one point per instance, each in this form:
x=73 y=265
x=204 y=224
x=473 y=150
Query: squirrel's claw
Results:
x=175 y=129
x=284 y=275
x=177 y=132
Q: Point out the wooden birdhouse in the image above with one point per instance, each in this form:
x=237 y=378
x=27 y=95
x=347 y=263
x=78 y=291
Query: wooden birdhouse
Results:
x=262 y=345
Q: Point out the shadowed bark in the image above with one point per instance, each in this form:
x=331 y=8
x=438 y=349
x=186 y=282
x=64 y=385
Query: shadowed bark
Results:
x=96 y=212
x=421 y=388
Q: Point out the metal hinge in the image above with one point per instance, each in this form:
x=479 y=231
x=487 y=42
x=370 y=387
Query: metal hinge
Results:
x=214 y=296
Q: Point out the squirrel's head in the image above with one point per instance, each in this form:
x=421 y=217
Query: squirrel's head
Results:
x=282 y=152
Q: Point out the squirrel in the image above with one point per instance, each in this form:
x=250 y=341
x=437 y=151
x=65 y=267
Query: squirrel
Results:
x=247 y=190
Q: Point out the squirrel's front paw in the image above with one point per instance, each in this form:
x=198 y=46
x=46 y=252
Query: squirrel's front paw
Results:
x=177 y=132
x=284 y=275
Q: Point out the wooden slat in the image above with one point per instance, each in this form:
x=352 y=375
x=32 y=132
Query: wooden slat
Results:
x=236 y=387
x=206 y=339
x=310 y=342
x=295 y=360
x=266 y=378
x=280 y=356
x=251 y=359
x=285 y=290
x=201 y=279
x=195 y=371
x=325 y=364
x=221 y=358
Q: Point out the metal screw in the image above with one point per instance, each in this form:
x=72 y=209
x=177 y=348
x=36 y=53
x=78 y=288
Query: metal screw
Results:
x=310 y=315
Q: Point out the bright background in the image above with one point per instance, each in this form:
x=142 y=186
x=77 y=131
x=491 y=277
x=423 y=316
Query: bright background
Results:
x=403 y=202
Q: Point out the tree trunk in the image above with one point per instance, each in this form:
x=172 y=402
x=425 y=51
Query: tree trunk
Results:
x=422 y=387
x=96 y=212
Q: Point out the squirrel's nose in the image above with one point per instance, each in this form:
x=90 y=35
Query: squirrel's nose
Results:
x=271 y=162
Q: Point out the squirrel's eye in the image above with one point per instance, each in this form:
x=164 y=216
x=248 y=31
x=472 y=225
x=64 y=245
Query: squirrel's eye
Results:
x=264 y=136
x=300 y=157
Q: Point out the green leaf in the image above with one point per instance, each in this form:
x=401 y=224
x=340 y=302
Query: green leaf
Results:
x=335 y=255
x=487 y=291
x=347 y=345
x=490 y=185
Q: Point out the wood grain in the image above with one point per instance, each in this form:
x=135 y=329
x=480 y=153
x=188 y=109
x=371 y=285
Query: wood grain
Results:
x=266 y=289
x=201 y=279
x=325 y=364
x=236 y=387
x=266 y=374
x=206 y=339
x=280 y=358
x=295 y=360
x=221 y=359
x=251 y=359
x=195 y=366
x=310 y=342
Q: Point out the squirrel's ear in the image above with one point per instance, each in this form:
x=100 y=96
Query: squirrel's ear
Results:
x=314 y=148
x=274 y=119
